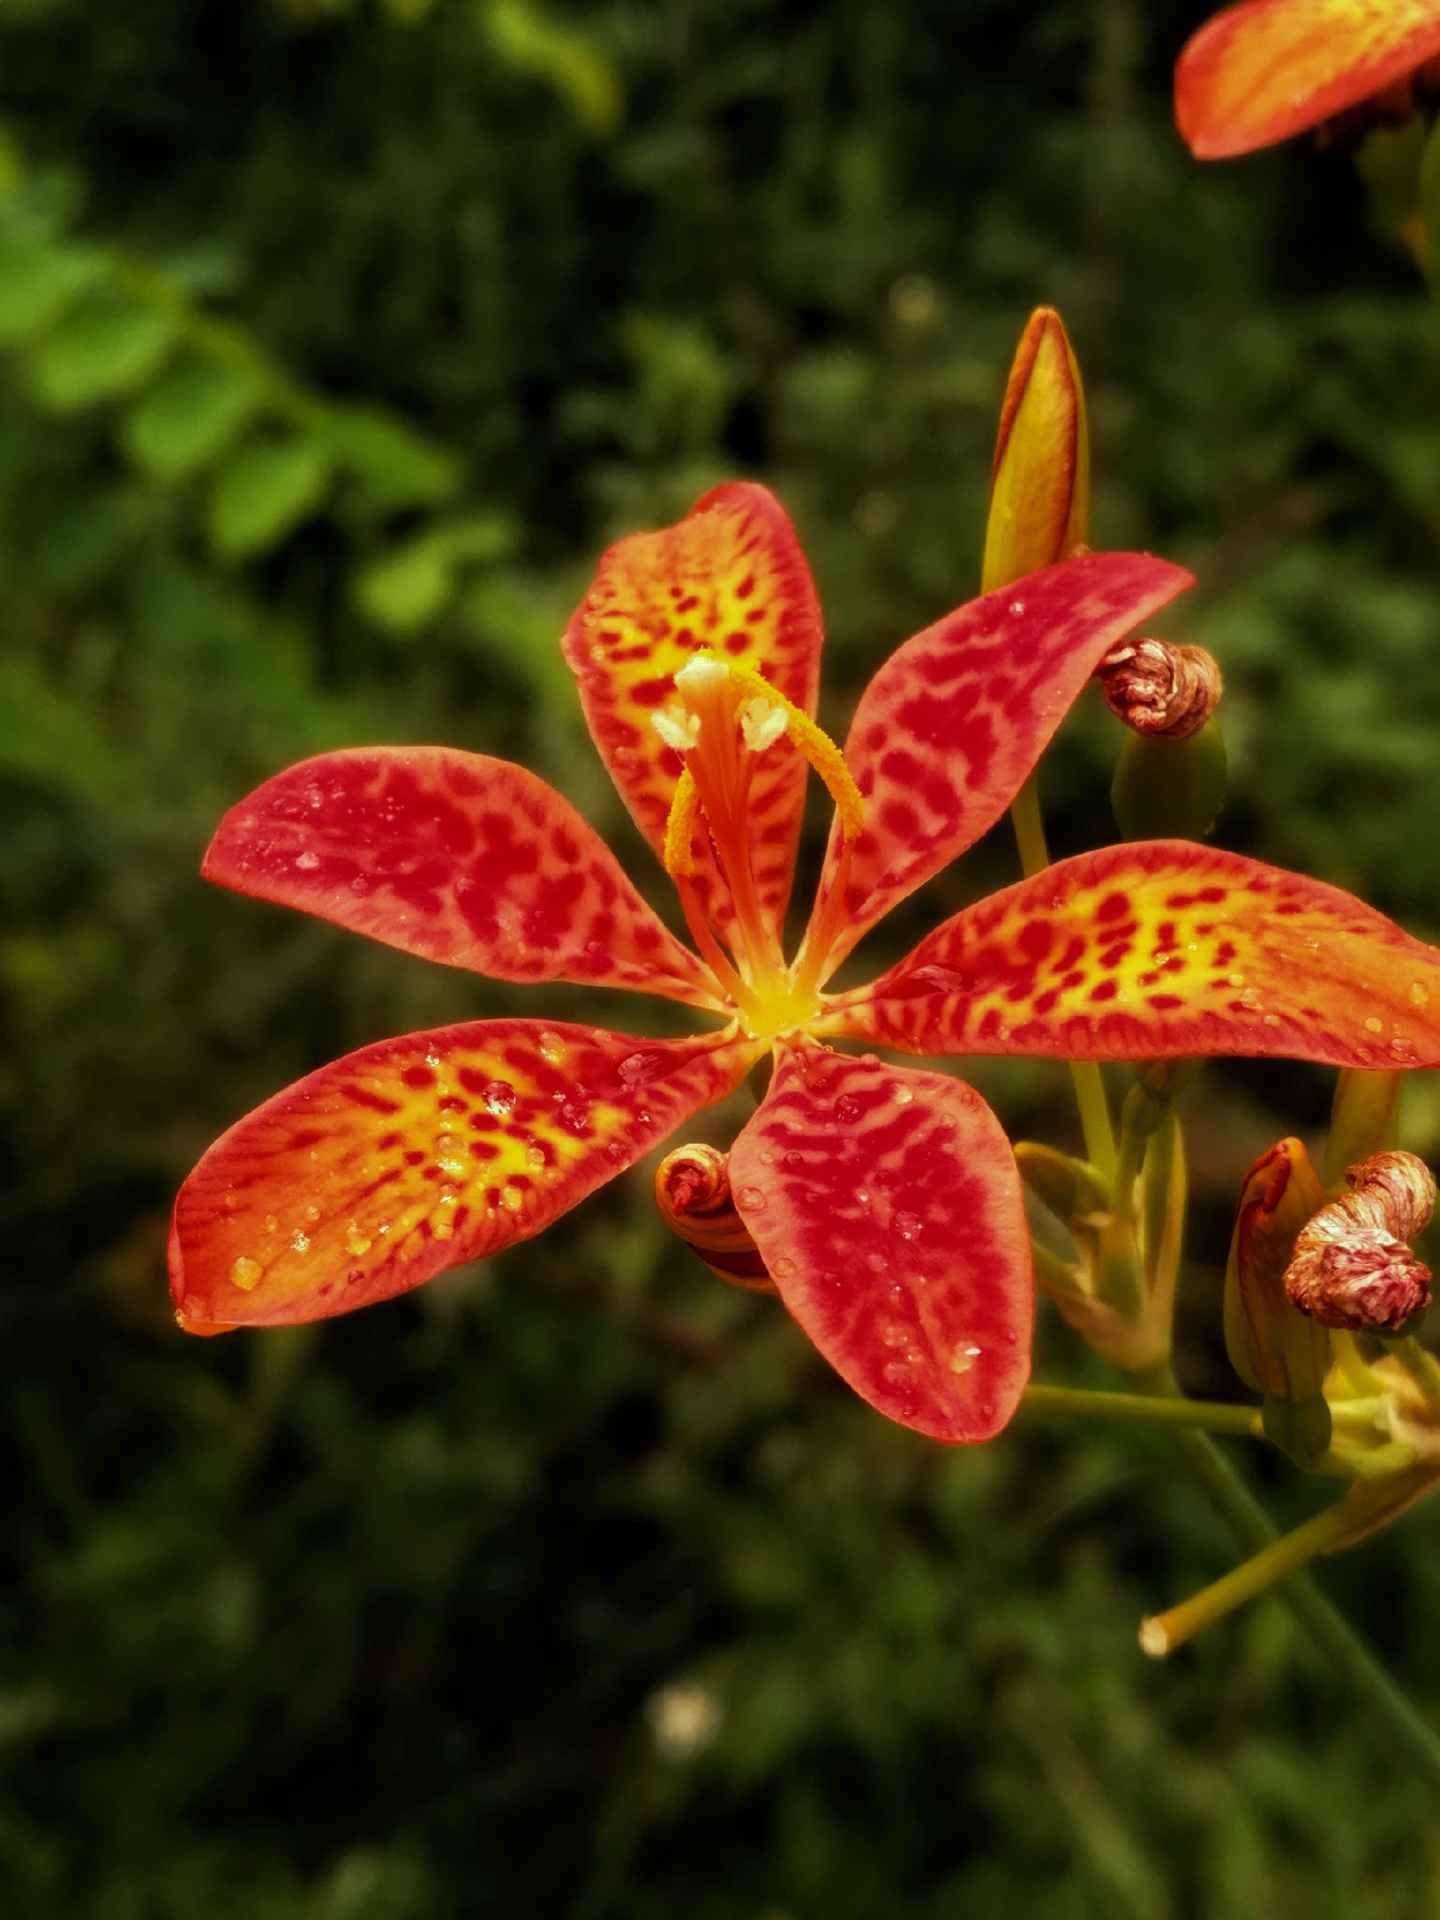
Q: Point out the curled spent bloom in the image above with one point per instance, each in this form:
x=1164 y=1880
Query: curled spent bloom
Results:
x=692 y=1192
x=1159 y=689
x=1265 y=70
x=884 y=1200
x=1351 y=1267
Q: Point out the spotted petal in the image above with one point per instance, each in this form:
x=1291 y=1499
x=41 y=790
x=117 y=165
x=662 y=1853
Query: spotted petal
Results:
x=730 y=577
x=416 y=1154
x=457 y=857
x=887 y=1206
x=950 y=727
x=1161 y=949
x=1267 y=69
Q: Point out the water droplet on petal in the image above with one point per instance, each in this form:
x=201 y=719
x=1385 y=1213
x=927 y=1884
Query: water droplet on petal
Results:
x=307 y=862
x=750 y=1200
x=1017 y=606
x=300 y=1242
x=1419 y=995
x=245 y=1274
x=357 y=1241
x=908 y=1225
x=847 y=1110
x=1372 y=1025
x=903 y=1096
x=892 y=1334
x=499 y=1097
x=535 y=1157
x=783 y=1267
x=638 y=1066
x=964 y=1358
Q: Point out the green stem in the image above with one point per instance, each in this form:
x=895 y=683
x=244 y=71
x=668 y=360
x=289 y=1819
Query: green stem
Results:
x=1079 y=1403
x=1089 y=1085
x=1161 y=1633
x=1331 y=1634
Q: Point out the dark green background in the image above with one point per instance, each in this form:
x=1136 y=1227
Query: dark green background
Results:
x=335 y=341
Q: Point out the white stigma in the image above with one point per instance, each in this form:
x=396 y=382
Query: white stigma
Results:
x=762 y=723
x=677 y=727
x=700 y=676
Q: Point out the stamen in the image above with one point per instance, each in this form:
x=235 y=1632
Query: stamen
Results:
x=677 y=727
x=762 y=723
x=680 y=827
x=816 y=746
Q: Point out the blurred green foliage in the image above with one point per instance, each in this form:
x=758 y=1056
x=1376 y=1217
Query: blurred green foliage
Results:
x=336 y=337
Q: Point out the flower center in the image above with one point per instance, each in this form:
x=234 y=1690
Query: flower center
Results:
x=723 y=717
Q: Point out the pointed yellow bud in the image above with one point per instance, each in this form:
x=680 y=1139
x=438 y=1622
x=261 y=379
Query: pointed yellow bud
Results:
x=1040 y=490
x=1272 y=1347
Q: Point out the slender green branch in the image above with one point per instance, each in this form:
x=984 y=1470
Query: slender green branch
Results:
x=1080 y=1404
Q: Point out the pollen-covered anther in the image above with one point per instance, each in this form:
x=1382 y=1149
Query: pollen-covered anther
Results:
x=677 y=727
x=692 y=1191
x=1351 y=1267
x=762 y=723
x=1164 y=691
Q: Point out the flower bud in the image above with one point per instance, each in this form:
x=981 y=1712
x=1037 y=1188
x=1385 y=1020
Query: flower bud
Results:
x=1351 y=1267
x=692 y=1191
x=1040 y=488
x=1272 y=1347
x=1166 y=692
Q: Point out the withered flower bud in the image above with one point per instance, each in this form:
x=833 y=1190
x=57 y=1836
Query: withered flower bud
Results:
x=692 y=1191
x=1164 y=691
x=1271 y=1347
x=1351 y=1266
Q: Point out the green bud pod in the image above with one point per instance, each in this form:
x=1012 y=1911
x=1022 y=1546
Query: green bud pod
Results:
x=1169 y=789
x=1069 y=1188
x=1272 y=1346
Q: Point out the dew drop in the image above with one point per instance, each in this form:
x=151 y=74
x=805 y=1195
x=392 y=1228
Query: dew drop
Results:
x=1419 y=996
x=783 y=1267
x=271 y=1223
x=751 y=1199
x=245 y=1274
x=312 y=1213
x=908 y=1225
x=903 y=1096
x=1372 y=1025
x=432 y=1059
x=356 y=1241
x=442 y=1227
x=964 y=1358
x=499 y=1097
x=534 y=1157
x=793 y=1162
x=300 y=1242
x=892 y=1334
x=1017 y=606
x=877 y=1263
x=847 y=1110
x=1402 y=1049
x=898 y=1372
x=635 y=1067
x=307 y=862
x=550 y=1052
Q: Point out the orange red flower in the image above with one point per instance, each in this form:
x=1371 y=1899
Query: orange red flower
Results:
x=883 y=1198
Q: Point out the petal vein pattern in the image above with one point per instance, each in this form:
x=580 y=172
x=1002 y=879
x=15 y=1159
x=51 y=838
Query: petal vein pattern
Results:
x=1157 y=950
x=951 y=726
x=456 y=857
x=1267 y=69
x=887 y=1206
x=730 y=577
x=410 y=1156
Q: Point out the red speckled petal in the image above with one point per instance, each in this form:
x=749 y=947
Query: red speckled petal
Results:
x=887 y=1205
x=730 y=577
x=416 y=1154
x=1265 y=70
x=1160 y=949
x=456 y=857
x=950 y=727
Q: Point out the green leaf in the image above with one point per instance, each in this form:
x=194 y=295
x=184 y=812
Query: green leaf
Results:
x=104 y=347
x=396 y=466
x=404 y=589
x=525 y=38
x=264 y=491
x=188 y=418
x=38 y=281
x=409 y=585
